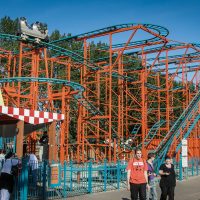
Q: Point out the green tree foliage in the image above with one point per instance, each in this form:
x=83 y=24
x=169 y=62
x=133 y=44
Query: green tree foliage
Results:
x=55 y=35
x=8 y=26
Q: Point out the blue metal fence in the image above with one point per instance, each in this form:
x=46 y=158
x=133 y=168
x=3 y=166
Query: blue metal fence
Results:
x=56 y=181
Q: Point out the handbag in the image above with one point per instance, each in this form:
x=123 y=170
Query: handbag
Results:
x=14 y=169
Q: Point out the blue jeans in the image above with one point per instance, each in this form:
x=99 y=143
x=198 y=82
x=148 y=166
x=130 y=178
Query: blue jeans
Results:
x=152 y=194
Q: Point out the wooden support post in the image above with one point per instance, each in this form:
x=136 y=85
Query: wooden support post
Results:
x=52 y=142
x=20 y=137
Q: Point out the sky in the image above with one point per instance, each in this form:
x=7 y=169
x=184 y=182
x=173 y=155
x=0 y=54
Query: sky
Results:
x=180 y=17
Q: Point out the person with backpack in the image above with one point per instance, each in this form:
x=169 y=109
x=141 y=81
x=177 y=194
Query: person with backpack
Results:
x=168 y=179
x=137 y=178
x=151 y=193
x=7 y=176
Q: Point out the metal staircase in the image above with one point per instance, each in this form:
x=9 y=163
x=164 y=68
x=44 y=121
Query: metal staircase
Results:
x=135 y=129
x=152 y=132
x=184 y=124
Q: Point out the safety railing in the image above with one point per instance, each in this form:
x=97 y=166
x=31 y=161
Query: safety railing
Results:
x=60 y=181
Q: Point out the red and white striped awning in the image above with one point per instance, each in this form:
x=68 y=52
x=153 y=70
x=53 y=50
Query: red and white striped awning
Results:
x=31 y=116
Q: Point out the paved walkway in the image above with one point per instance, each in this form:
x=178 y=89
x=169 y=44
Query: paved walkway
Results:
x=185 y=190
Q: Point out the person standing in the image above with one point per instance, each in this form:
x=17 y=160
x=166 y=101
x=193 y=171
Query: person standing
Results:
x=151 y=193
x=33 y=164
x=168 y=179
x=7 y=178
x=2 y=158
x=137 y=178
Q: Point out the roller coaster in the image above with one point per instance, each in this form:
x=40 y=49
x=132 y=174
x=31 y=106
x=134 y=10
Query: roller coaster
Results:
x=140 y=93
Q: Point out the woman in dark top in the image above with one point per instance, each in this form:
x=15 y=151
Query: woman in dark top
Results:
x=168 y=179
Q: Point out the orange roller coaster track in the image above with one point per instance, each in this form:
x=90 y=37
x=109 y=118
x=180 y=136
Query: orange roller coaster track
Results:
x=140 y=93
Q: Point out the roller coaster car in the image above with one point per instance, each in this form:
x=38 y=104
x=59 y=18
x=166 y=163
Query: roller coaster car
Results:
x=37 y=30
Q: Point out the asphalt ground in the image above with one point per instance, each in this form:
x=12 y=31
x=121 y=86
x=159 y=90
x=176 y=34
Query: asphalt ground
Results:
x=185 y=190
